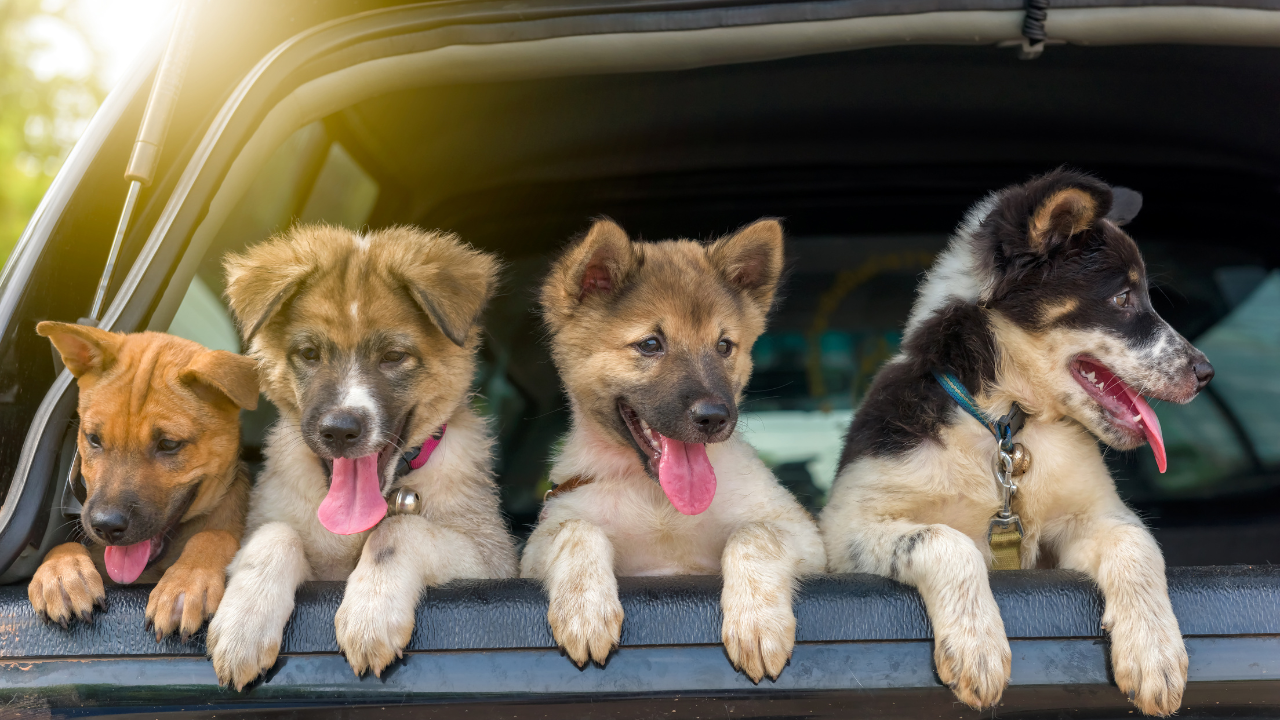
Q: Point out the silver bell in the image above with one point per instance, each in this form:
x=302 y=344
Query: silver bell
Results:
x=404 y=501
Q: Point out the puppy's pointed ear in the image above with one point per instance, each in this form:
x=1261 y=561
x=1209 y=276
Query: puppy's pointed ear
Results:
x=264 y=278
x=1062 y=214
x=1125 y=205
x=451 y=282
x=215 y=374
x=596 y=266
x=84 y=349
x=751 y=260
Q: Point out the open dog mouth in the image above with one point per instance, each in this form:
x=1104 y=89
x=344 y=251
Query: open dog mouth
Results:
x=355 y=502
x=126 y=563
x=1126 y=409
x=683 y=470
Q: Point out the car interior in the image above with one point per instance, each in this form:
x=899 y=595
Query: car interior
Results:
x=870 y=158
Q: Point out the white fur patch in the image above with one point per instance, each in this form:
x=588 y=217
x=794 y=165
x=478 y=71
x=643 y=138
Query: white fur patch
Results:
x=355 y=309
x=358 y=397
x=955 y=275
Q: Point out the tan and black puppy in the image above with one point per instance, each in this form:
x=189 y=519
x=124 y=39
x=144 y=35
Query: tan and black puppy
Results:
x=653 y=343
x=159 y=450
x=367 y=346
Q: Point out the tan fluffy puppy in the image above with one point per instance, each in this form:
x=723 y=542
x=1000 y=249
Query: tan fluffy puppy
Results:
x=367 y=346
x=159 y=446
x=653 y=343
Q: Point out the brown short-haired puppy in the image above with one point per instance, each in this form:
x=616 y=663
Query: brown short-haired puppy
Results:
x=653 y=343
x=1040 y=302
x=159 y=446
x=367 y=346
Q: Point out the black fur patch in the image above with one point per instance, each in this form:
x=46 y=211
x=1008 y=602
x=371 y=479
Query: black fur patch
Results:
x=905 y=405
x=384 y=554
x=904 y=547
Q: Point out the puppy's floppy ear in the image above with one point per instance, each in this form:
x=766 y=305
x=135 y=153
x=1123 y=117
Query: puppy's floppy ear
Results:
x=265 y=277
x=84 y=349
x=751 y=259
x=451 y=282
x=598 y=265
x=231 y=376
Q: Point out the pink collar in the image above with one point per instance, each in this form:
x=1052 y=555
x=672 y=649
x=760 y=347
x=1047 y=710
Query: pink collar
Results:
x=419 y=456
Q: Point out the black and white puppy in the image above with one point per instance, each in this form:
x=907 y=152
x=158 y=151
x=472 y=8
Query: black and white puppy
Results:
x=1041 y=300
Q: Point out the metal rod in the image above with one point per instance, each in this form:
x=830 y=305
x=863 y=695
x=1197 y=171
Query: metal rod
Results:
x=125 y=216
x=151 y=133
x=164 y=95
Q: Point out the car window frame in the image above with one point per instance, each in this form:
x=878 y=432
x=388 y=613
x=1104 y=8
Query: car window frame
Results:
x=167 y=260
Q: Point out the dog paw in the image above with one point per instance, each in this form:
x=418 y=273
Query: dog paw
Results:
x=1149 y=659
x=183 y=599
x=371 y=637
x=587 y=624
x=759 y=633
x=243 y=642
x=66 y=586
x=973 y=658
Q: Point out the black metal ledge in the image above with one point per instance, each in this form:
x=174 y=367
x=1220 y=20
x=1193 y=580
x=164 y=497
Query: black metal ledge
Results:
x=482 y=649
x=507 y=614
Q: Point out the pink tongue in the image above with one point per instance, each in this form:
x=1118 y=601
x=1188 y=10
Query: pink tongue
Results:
x=354 y=503
x=686 y=476
x=1150 y=426
x=126 y=562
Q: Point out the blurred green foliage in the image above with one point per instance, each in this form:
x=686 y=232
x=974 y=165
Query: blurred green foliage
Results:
x=41 y=114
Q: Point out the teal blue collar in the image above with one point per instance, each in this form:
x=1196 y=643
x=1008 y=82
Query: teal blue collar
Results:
x=1003 y=428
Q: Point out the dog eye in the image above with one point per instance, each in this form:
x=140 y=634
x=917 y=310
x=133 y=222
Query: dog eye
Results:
x=724 y=347
x=391 y=357
x=94 y=441
x=1121 y=300
x=309 y=354
x=168 y=446
x=650 y=346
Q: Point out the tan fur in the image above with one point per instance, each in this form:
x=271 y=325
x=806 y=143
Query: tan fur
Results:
x=132 y=386
x=1051 y=313
x=1069 y=210
x=621 y=523
x=943 y=496
x=425 y=286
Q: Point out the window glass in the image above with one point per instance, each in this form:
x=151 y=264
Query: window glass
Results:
x=1245 y=351
x=343 y=194
x=203 y=318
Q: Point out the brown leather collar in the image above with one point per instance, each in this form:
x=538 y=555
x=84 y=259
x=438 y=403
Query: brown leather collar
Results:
x=569 y=485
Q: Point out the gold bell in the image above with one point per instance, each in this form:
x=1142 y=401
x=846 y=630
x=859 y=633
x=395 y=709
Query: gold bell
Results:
x=404 y=501
x=1021 y=459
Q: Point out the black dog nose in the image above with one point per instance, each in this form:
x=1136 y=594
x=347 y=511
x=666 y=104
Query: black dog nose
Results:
x=110 y=524
x=340 y=430
x=710 y=417
x=1204 y=373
